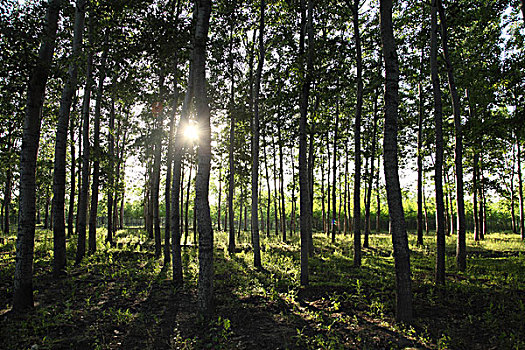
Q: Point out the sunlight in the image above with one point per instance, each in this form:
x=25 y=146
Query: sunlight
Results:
x=191 y=132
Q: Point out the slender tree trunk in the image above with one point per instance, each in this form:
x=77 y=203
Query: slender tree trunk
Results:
x=46 y=211
x=7 y=201
x=72 y=192
x=79 y=170
x=276 y=209
x=281 y=182
x=328 y=216
x=219 y=201
x=520 y=190
x=311 y=187
x=323 y=208
x=378 y=198
x=306 y=218
x=395 y=203
x=371 y=175
x=334 y=173
x=255 y=147
x=205 y=283
x=231 y=182
x=187 y=208
x=420 y=152
x=111 y=175
x=23 y=278
x=84 y=190
x=475 y=190
x=156 y=167
x=59 y=174
x=512 y=195
x=461 y=249
x=294 y=204
x=357 y=140
x=268 y=203
x=346 y=190
x=480 y=194
x=178 y=144
x=97 y=152
x=438 y=170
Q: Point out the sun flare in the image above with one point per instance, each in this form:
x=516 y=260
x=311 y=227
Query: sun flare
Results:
x=191 y=132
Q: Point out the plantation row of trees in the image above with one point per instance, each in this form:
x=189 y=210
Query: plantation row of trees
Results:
x=305 y=113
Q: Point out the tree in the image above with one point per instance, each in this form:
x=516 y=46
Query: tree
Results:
x=204 y=225
x=255 y=147
x=395 y=205
x=461 y=253
x=59 y=175
x=23 y=279
x=84 y=188
x=357 y=139
x=305 y=215
x=97 y=153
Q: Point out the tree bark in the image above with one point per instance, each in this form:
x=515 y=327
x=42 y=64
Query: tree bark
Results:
x=438 y=165
x=520 y=190
x=255 y=148
x=461 y=248
x=97 y=152
x=231 y=181
x=111 y=172
x=204 y=225
x=156 y=168
x=23 y=277
x=357 y=139
x=281 y=173
x=395 y=204
x=334 y=173
x=72 y=192
x=420 y=152
x=371 y=175
x=176 y=183
x=378 y=198
x=306 y=218
x=475 y=190
x=59 y=173
x=84 y=189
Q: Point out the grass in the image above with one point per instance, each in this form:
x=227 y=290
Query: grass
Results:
x=122 y=297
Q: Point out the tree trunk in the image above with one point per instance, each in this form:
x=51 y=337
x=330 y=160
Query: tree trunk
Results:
x=205 y=283
x=72 y=192
x=156 y=167
x=520 y=190
x=23 y=278
x=187 y=207
x=371 y=175
x=334 y=173
x=357 y=140
x=82 y=208
x=395 y=203
x=59 y=174
x=268 y=204
x=461 y=252
x=111 y=172
x=328 y=227
x=378 y=198
x=306 y=218
x=276 y=209
x=255 y=148
x=178 y=143
x=311 y=186
x=219 y=200
x=281 y=173
x=438 y=170
x=420 y=152
x=97 y=153
x=512 y=195
x=231 y=181
x=475 y=190
x=323 y=209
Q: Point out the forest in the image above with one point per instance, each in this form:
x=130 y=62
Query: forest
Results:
x=262 y=174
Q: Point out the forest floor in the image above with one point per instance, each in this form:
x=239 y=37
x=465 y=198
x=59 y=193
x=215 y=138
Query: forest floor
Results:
x=123 y=298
